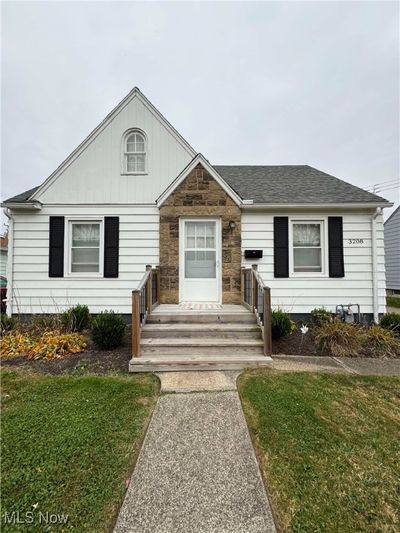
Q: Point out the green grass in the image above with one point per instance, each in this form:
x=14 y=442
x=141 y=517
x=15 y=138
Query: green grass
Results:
x=329 y=449
x=68 y=444
x=393 y=301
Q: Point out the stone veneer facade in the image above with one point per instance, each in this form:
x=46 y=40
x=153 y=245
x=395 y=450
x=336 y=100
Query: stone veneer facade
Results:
x=199 y=195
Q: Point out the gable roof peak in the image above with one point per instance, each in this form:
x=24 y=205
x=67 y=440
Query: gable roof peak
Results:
x=199 y=159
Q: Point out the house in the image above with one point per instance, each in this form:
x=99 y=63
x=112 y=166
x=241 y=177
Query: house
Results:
x=392 y=252
x=135 y=193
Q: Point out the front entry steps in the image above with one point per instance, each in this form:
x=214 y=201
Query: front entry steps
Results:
x=221 y=339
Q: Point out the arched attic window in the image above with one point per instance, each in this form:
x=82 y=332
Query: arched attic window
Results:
x=135 y=152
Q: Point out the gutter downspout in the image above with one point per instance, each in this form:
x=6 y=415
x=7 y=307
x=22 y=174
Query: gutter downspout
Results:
x=375 y=288
x=10 y=262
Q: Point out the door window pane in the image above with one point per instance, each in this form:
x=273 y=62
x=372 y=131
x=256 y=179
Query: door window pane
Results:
x=200 y=264
x=210 y=242
x=200 y=242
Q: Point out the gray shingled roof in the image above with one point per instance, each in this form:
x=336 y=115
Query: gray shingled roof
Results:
x=22 y=197
x=283 y=184
x=291 y=184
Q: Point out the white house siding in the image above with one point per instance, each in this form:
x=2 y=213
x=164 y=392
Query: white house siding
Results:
x=392 y=251
x=35 y=292
x=301 y=294
x=94 y=176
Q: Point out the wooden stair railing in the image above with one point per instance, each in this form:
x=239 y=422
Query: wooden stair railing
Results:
x=256 y=296
x=144 y=298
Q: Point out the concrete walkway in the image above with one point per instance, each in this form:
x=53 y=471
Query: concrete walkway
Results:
x=197 y=471
x=347 y=365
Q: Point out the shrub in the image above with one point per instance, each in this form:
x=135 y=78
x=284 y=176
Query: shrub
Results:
x=391 y=321
x=320 y=316
x=7 y=323
x=380 y=342
x=339 y=338
x=76 y=318
x=281 y=324
x=393 y=301
x=108 y=330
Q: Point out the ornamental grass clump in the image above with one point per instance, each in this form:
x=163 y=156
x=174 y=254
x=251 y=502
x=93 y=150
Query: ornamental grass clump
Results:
x=340 y=339
x=108 y=330
x=391 y=321
x=381 y=342
x=76 y=318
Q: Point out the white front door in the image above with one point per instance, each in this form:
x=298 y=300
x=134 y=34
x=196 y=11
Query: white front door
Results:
x=199 y=252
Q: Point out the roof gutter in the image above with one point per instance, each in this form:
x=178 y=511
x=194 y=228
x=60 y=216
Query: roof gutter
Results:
x=247 y=205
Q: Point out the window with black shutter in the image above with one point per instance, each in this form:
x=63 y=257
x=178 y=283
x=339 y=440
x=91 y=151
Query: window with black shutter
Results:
x=335 y=237
x=56 y=247
x=281 y=247
x=111 y=247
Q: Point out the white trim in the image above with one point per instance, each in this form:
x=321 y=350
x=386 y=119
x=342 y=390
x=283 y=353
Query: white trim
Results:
x=67 y=247
x=135 y=93
x=375 y=288
x=218 y=247
x=23 y=205
x=187 y=170
x=323 y=221
x=124 y=153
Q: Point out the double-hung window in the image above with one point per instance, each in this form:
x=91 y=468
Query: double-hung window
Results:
x=85 y=242
x=307 y=246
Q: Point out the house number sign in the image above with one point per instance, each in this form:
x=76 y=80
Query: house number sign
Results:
x=355 y=241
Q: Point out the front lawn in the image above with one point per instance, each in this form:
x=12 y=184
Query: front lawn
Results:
x=329 y=448
x=68 y=446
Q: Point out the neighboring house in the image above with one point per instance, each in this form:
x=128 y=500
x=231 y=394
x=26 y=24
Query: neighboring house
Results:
x=136 y=193
x=392 y=252
x=3 y=255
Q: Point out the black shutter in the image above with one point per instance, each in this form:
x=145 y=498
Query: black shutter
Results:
x=335 y=235
x=56 y=247
x=111 y=247
x=281 y=247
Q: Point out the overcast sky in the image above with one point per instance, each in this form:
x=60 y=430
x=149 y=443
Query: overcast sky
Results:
x=245 y=83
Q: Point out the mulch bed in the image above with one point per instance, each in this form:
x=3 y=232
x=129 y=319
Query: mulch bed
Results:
x=294 y=344
x=91 y=361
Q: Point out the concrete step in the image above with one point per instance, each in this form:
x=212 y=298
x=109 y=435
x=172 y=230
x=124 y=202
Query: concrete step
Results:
x=243 y=317
x=174 y=363
x=209 y=330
